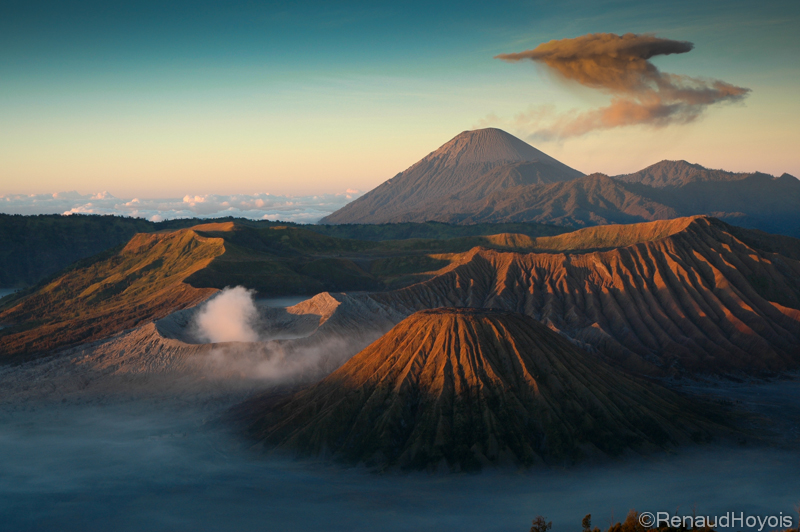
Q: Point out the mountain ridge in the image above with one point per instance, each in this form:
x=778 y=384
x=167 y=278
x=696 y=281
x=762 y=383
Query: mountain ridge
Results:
x=693 y=296
x=498 y=191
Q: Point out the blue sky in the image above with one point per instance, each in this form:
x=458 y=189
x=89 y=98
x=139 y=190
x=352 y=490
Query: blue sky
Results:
x=170 y=98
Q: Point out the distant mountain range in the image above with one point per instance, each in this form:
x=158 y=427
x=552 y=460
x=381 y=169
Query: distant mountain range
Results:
x=488 y=175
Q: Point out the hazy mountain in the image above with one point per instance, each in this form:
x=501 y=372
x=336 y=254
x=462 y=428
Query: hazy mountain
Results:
x=757 y=200
x=673 y=174
x=487 y=187
x=468 y=167
x=462 y=388
x=592 y=200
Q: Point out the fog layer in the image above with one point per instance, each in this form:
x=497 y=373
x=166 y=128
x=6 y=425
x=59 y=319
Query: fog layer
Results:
x=155 y=467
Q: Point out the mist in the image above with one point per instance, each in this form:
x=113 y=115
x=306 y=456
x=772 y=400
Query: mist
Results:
x=277 y=363
x=250 y=346
x=160 y=467
x=92 y=458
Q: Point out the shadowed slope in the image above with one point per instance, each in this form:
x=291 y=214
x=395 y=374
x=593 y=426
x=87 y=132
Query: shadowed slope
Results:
x=672 y=174
x=703 y=298
x=470 y=387
x=592 y=200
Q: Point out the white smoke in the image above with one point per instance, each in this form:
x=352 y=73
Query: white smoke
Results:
x=228 y=317
x=280 y=363
x=255 y=354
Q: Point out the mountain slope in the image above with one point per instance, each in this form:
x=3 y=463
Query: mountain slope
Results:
x=464 y=388
x=673 y=174
x=158 y=273
x=457 y=168
x=592 y=200
x=109 y=293
x=486 y=176
x=691 y=295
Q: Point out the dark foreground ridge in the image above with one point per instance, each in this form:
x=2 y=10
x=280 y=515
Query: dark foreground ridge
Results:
x=463 y=388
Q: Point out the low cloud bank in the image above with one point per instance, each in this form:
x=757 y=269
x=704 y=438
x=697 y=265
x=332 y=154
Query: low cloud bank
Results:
x=301 y=209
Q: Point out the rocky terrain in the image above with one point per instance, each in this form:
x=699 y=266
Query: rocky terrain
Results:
x=687 y=296
x=462 y=388
x=547 y=370
x=690 y=295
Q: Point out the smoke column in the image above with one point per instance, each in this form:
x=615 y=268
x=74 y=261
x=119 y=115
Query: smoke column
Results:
x=228 y=317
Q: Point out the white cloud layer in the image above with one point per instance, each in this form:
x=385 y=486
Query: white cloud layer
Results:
x=301 y=209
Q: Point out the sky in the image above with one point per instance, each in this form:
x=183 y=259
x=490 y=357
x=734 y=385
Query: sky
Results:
x=163 y=99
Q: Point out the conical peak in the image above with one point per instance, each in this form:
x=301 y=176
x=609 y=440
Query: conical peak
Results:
x=470 y=338
x=461 y=311
x=465 y=387
x=441 y=320
x=490 y=145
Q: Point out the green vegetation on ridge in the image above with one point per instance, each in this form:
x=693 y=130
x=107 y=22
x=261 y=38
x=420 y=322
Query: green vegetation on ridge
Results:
x=157 y=273
x=34 y=247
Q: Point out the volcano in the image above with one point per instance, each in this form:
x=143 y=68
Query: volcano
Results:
x=490 y=176
x=463 y=388
x=466 y=169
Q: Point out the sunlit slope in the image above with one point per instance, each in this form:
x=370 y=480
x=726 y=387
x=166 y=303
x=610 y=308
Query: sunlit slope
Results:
x=462 y=388
x=157 y=273
x=704 y=297
x=112 y=292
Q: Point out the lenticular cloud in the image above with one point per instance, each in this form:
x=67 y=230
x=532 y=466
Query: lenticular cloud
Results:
x=620 y=66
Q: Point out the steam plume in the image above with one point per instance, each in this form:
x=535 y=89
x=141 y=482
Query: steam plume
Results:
x=228 y=317
x=620 y=66
x=232 y=316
